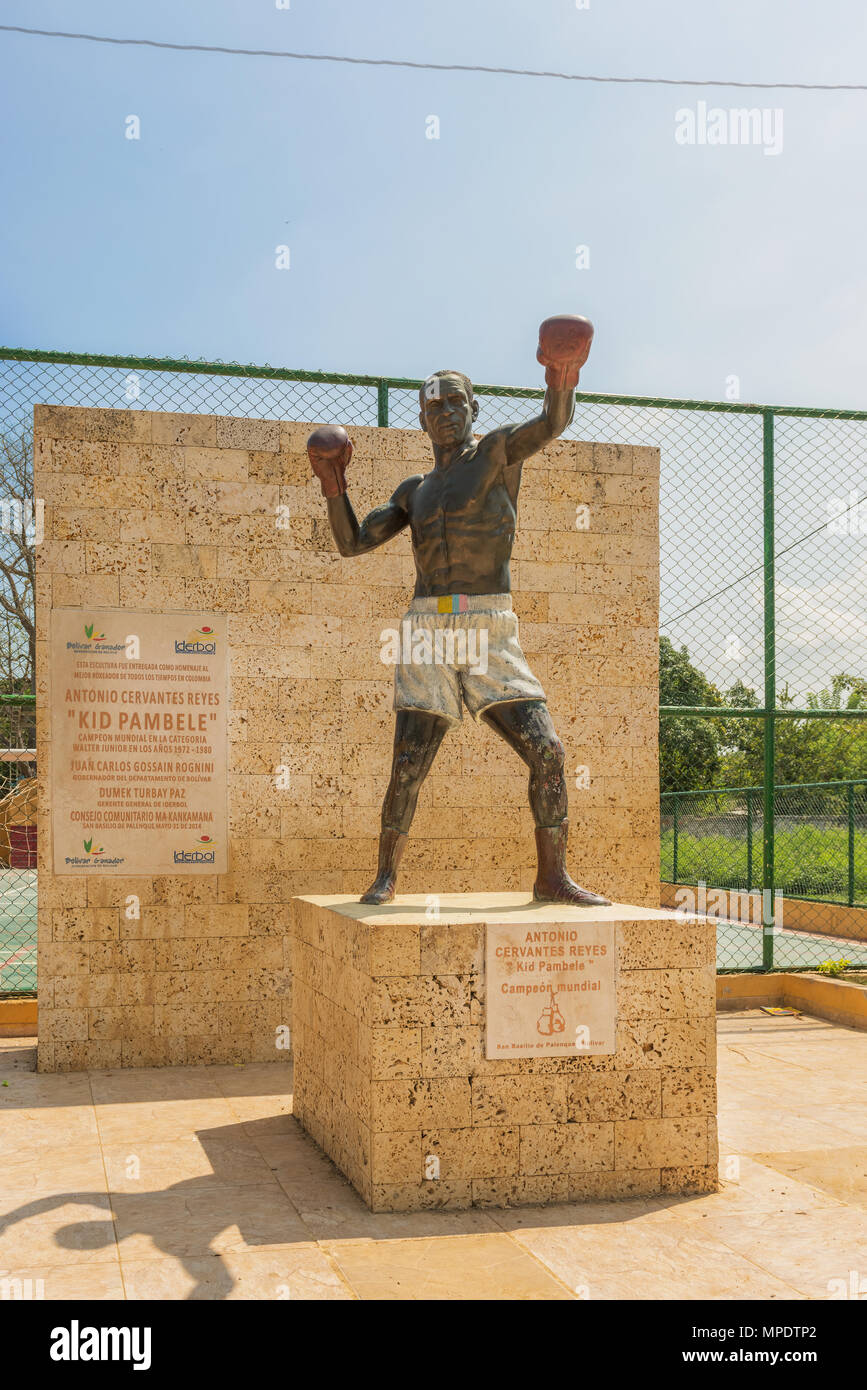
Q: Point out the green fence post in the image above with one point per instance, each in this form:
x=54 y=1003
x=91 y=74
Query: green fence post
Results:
x=768 y=918
x=749 y=841
x=850 y=796
x=382 y=403
x=674 y=864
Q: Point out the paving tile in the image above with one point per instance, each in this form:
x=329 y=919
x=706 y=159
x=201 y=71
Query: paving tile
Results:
x=647 y=1260
x=28 y=1091
x=17 y=1055
x=760 y=1186
x=41 y=1171
x=751 y=1131
x=295 y=1273
x=168 y=1119
x=255 y=1108
x=190 y=1219
x=136 y=1167
x=70 y=1229
x=267 y=1125
x=254 y=1079
x=486 y=1267
x=841 y=1119
x=805 y=1050
x=805 y=1249
x=839 y=1174
x=51 y=1127
x=753 y=1024
x=70 y=1283
x=750 y=1089
x=132 y=1085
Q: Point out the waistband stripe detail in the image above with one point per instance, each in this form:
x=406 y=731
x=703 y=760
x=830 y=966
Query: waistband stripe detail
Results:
x=462 y=603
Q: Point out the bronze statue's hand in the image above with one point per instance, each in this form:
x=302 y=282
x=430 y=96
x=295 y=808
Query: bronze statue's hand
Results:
x=564 y=346
x=329 y=450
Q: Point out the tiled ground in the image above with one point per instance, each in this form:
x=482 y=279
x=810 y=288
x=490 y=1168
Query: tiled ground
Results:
x=197 y=1183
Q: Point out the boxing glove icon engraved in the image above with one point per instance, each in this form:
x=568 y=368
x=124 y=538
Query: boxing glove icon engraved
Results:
x=550 y=1020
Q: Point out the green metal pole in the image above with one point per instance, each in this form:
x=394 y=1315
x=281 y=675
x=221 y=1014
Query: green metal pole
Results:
x=749 y=842
x=850 y=795
x=382 y=404
x=768 y=920
x=676 y=814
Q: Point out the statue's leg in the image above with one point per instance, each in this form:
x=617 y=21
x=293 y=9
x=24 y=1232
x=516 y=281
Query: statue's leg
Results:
x=417 y=736
x=526 y=725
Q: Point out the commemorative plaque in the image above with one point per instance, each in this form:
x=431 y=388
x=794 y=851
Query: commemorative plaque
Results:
x=138 y=742
x=550 y=989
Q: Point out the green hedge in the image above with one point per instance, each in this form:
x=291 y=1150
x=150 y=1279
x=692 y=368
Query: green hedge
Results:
x=809 y=862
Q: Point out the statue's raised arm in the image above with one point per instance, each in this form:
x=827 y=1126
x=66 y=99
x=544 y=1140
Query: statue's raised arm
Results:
x=329 y=450
x=564 y=346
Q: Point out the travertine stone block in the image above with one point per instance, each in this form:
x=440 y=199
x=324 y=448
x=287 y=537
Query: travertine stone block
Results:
x=392 y=1081
x=661 y=1143
x=689 y=1091
x=616 y=1096
x=519 y=1100
x=479 y=1151
x=567 y=1148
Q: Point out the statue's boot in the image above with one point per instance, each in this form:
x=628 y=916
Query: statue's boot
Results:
x=553 y=884
x=391 y=846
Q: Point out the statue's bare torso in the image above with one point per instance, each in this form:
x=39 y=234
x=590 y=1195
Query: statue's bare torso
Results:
x=463 y=513
x=462 y=521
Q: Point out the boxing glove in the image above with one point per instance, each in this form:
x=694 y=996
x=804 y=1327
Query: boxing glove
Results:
x=564 y=346
x=329 y=450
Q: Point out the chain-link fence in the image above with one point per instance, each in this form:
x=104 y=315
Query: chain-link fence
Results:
x=712 y=846
x=763 y=584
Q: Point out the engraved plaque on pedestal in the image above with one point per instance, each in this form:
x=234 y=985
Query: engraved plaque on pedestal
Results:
x=551 y=989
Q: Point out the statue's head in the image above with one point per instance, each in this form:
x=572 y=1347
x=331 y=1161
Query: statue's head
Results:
x=448 y=408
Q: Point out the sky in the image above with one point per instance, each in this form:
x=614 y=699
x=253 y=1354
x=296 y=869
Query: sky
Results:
x=711 y=270
x=706 y=262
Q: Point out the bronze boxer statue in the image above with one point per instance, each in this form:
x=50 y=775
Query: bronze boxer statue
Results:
x=462 y=517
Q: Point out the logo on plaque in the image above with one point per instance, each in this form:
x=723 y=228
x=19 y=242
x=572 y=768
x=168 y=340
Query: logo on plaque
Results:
x=551 y=989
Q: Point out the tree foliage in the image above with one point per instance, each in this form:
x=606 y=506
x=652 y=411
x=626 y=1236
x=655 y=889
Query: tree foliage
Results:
x=710 y=752
x=689 y=755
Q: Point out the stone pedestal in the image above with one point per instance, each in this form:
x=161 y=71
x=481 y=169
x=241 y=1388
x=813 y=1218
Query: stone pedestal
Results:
x=393 y=1082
